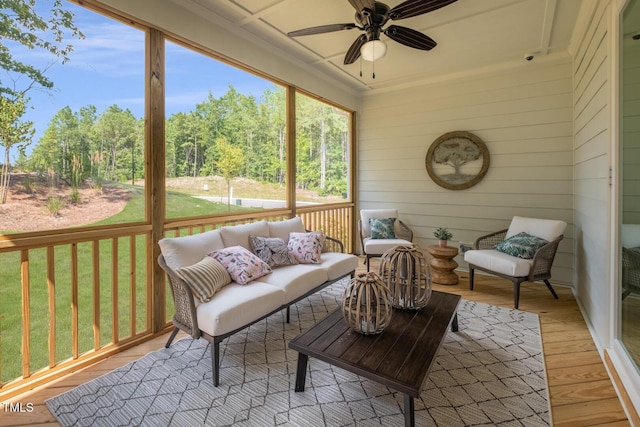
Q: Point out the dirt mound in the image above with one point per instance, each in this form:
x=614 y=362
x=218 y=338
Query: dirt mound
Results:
x=27 y=209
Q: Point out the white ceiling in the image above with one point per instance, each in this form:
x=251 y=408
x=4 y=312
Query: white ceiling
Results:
x=471 y=35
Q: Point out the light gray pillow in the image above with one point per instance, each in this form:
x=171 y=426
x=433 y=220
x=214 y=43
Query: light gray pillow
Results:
x=272 y=250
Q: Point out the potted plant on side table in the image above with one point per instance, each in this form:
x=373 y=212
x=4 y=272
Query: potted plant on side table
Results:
x=443 y=235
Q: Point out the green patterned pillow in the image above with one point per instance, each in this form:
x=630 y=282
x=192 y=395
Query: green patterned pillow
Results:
x=521 y=245
x=382 y=228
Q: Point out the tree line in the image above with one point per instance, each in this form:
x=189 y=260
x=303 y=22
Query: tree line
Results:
x=231 y=135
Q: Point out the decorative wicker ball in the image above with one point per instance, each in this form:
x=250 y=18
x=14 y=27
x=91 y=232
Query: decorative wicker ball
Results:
x=365 y=304
x=405 y=271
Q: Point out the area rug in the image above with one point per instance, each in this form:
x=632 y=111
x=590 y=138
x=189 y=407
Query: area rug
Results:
x=489 y=373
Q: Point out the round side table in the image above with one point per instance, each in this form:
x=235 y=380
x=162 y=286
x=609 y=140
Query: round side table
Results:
x=443 y=264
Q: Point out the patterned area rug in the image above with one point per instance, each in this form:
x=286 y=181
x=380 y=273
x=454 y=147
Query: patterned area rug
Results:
x=489 y=373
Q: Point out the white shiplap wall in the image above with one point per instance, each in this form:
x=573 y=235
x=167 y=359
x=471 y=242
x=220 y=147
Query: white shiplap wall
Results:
x=524 y=116
x=591 y=64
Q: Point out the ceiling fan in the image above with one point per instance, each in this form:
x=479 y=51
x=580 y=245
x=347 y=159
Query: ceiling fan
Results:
x=371 y=16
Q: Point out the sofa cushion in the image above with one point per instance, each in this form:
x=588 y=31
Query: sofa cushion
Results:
x=337 y=264
x=272 y=250
x=380 y=246
x=282 y=229
x=382 y=228
x=235 y=306
x=306 y=247
x=187 y=250
x=238 y=235
x=242 y=265
x=205 y=277
x=499 y=262
x=296 y=280
x=521 y=245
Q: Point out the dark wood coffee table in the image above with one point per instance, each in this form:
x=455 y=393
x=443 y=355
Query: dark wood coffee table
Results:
x=400 y=357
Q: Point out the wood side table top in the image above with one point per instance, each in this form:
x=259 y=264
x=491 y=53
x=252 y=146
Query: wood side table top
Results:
x=400 y=357
x=443 y=251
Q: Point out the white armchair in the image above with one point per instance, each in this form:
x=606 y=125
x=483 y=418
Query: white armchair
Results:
x=521 y=268
x=376 y=245
x=630 y=259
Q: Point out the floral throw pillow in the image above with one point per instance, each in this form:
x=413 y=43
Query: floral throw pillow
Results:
x=521 y=245
x=272 y=250
x=382 y=228
x=242 y=265
x=306 y=247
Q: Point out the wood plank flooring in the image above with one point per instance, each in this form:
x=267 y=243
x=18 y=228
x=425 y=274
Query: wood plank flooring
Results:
x=581 y=393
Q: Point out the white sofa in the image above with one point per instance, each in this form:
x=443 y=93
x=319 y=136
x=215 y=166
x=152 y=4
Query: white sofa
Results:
x=235 y=306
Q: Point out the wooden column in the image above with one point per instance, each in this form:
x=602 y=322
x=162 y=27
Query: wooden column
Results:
x=291 y=149
x=155 y=172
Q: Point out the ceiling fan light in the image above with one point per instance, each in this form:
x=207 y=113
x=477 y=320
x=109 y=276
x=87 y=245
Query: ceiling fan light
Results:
x=373 y=50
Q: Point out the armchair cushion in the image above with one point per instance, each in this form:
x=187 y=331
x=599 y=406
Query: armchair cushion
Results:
x=382 y=228
x=521 y=245
x=380 y=246
x=547 y=229
x=366 y=214
x=500 y=262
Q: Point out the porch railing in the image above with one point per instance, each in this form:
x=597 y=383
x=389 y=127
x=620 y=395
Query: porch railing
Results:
x=71 y=297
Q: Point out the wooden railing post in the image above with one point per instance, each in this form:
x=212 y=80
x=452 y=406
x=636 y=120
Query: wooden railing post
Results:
x=155 y=172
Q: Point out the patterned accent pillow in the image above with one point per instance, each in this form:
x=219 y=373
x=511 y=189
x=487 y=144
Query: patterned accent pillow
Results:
x=521 y=245
x=205 y=277
x=382 y=228
x=306 y=247
x=242 y=265
x=272 y=250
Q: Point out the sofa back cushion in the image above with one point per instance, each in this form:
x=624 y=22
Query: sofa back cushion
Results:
x=282 y=229
x=547 y=229
x=187 y=250
x=238 y=235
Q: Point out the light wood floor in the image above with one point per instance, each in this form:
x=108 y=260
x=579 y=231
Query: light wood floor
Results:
x=581 y=392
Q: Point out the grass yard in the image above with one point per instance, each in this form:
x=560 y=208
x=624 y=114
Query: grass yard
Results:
x=11 y=329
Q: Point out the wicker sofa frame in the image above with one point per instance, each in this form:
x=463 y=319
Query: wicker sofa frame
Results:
x=185 y=318
x=540 y=270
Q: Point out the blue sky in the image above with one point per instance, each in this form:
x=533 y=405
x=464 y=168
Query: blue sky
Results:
x=107 y=68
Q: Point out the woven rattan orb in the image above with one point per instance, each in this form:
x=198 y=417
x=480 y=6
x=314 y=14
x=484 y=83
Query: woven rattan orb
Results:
x=365 y=305
x=405 y=271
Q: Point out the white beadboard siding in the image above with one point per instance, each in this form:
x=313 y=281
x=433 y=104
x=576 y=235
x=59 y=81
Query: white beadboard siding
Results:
x=523 y=115
x=592 y=112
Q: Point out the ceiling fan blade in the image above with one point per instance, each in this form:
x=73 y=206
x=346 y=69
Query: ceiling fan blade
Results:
x=361 y=5
x=354 y=51
x=409 y=37
x=322 y=29
x=417 y=7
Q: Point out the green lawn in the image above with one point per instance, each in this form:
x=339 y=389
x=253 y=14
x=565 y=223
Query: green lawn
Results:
x=178 y=205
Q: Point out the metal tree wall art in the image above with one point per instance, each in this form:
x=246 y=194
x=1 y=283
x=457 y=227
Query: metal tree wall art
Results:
x=457 y=160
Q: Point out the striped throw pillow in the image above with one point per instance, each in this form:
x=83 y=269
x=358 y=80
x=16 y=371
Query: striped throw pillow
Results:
x=205 y=277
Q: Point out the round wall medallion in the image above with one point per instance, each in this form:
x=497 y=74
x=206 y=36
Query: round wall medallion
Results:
x=457 y=160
